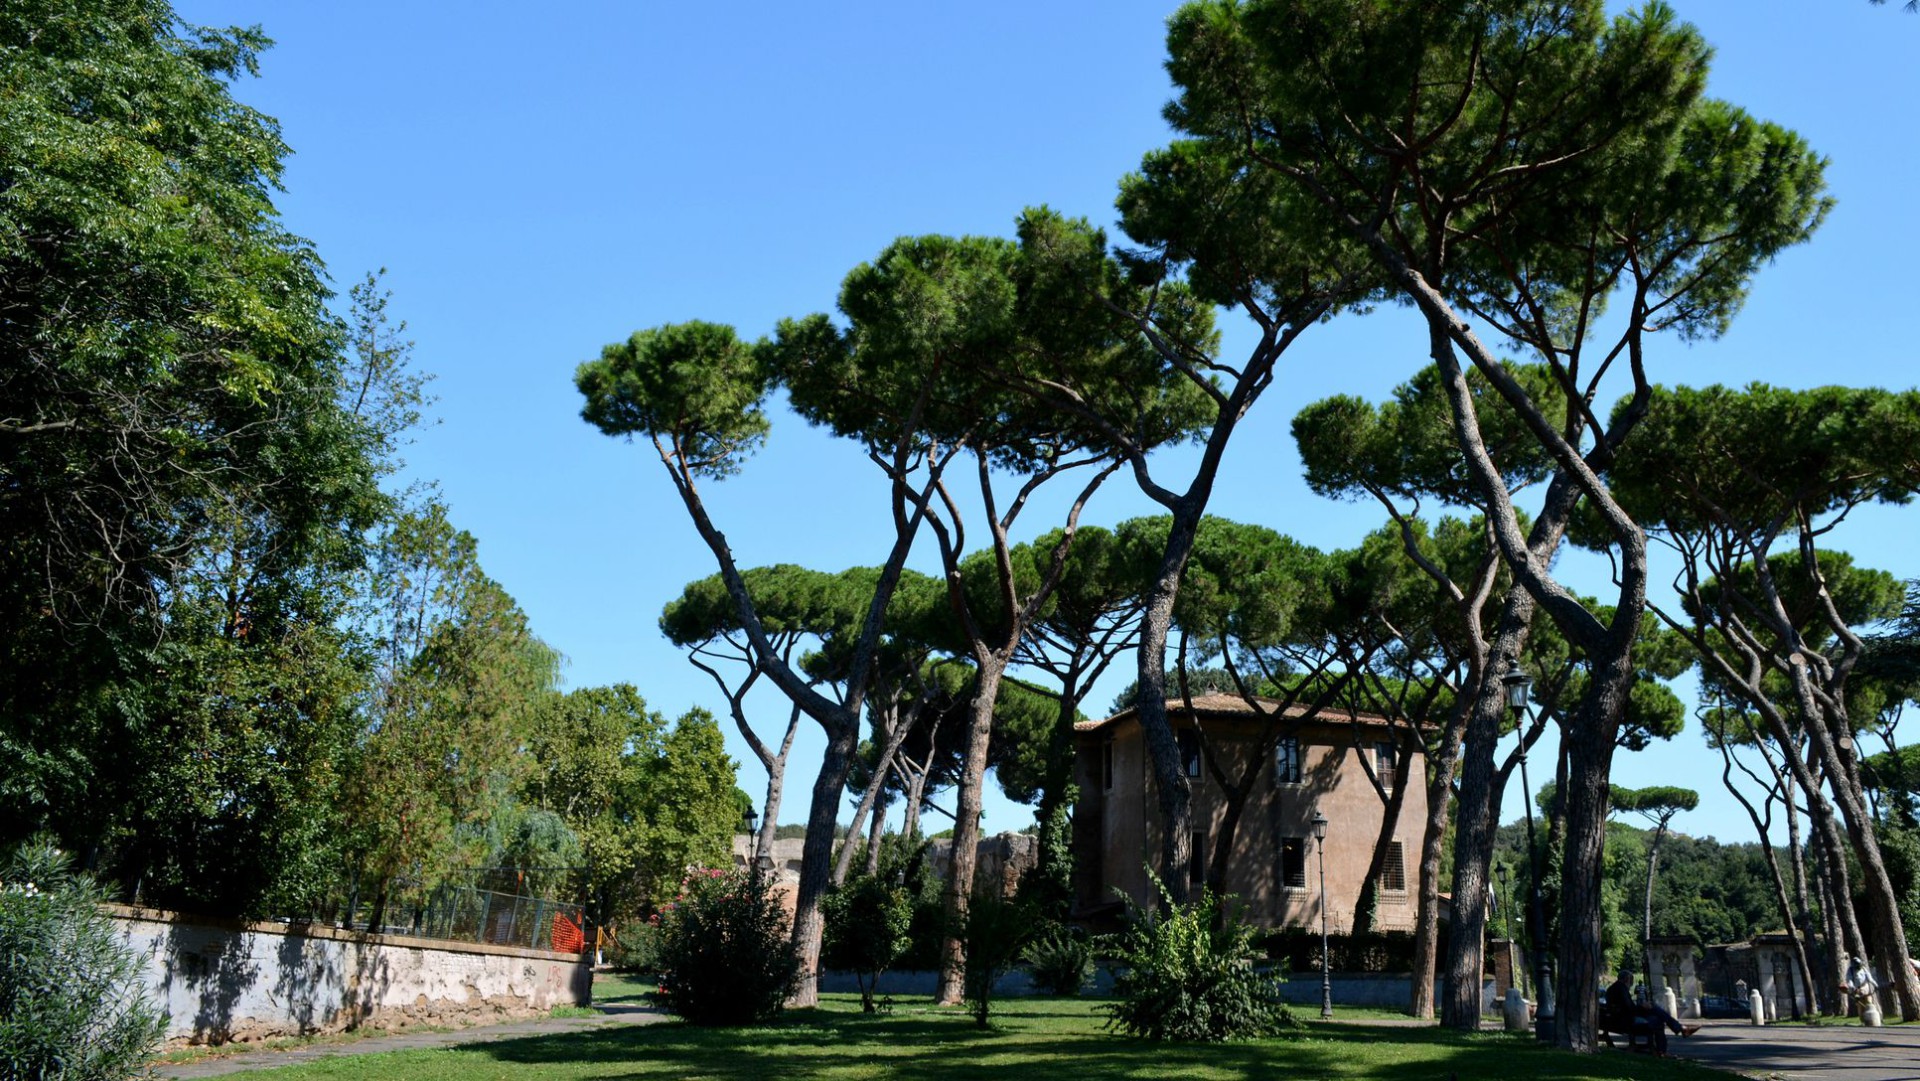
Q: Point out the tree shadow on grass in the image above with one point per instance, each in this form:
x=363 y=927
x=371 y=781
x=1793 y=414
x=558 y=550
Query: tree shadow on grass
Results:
x=1049 y=1045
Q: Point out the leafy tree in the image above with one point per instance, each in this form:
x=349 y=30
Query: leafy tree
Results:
x=190 y=455
x=1745 y=486
x=942 y=331
x=1658 y=804
x=868 y=921
x=646 y=800
x=1507 y=169
x=695 y=392
x=459 y=683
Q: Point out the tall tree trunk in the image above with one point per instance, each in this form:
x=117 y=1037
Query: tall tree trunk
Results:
x=1476 y=811
x=1150 y=706
x=1797 y=927
x=816 y=859
x=1426 y=928
x=1590 y=743
x=882 y=767
x=776 y=766
x=876 y=835
x=966 y=827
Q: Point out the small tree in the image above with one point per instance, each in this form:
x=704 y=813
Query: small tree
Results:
x=71 y=1001
x=995 y=934
x=868 y=925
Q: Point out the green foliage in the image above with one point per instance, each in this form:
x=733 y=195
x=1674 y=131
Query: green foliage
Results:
x=725 y=957
x=995 y=936
x=868 y=925
x=1060 y=961
x=190 y=450
x=459 y=685
x=1193 y=974
x=72 y=1002
x=646 y=799
x=637 y=946
x=695 y=387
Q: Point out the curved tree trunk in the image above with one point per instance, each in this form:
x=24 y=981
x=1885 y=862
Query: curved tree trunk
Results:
x=816 y=860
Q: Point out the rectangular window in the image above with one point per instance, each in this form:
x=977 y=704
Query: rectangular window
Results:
x=1393 y=870
x=1293 y=863
x=1383 y=765
x=1286 y=761
x=1106 y=765
x=1197 y=867
x=1190 y=751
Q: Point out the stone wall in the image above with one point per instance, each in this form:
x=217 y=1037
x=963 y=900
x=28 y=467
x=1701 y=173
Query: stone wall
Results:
x=222 y=980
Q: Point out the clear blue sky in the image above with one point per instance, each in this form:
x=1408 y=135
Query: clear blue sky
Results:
x=541 y=182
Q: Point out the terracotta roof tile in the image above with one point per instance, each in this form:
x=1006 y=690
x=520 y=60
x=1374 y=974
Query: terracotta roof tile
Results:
x=1233 y=704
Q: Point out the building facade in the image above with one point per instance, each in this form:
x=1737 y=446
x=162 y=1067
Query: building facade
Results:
x=1364 y=774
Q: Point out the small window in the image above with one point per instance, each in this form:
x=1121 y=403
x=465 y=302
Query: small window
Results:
x=1190 y=751
x=1106 y=765
x=1383 y=765
x=1197 y=866
x=1293 y=863
x=1393 y=870
x=1286 y=761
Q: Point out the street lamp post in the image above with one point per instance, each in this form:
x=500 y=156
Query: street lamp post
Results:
x=1326 y=955
x=1503 y=874
x=1517 y=684
x=747 y=823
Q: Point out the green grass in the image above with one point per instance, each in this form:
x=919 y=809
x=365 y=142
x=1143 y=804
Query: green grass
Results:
x=1031 y=1040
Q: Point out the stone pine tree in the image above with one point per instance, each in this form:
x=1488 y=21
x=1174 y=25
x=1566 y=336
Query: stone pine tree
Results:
x=941 y=333
x=1745 y=486
x=1510 y=169
x=694 y=392
x=1659 y=805
x=1202 y=239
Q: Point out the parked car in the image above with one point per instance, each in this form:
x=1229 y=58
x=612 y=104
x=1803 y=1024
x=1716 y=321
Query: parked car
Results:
x=1721 y=1006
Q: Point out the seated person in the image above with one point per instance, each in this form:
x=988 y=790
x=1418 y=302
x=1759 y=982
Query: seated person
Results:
x=1623 y=1014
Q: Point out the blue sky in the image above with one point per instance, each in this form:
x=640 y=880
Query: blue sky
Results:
x=539 y=184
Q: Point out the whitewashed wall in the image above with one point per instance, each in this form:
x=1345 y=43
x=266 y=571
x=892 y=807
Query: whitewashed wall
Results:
x=231 y=980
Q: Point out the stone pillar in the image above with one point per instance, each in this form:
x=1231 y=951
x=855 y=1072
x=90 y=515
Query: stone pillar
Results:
x=1756 y=1008
x=1515 y=1011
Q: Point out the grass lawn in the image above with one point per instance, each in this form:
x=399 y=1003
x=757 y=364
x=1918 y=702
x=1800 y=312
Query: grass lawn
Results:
x=1031 y=1040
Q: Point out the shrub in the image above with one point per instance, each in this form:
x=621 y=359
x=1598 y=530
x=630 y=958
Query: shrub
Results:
x=725 y=958
x=1191 y=975
x=1061 y=961
x=637 y=947
x=996 y=932
x=71 y=1001
x=867 y=924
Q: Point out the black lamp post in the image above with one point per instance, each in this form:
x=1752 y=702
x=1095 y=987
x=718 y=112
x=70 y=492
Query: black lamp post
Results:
x=1326 y=955
x=747 y=823
x=1517 y=684
x=1501 y=873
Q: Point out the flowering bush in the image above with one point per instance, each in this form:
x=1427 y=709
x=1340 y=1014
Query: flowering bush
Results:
x=71 y=1004
x=724 y=954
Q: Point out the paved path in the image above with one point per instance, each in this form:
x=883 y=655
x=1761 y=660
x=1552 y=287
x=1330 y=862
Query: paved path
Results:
x=242 y=1061
x=1806 y=1052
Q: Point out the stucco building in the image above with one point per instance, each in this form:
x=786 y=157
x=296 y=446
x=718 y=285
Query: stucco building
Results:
x=1320 y=763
